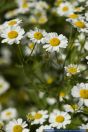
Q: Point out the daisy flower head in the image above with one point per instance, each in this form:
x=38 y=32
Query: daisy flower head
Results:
x=72 y=108
x=13 y=22
x=4 y=85
x=54 y=42
x=80 y=91
x=65 y=9
x=38 y=117
x=80 y=24
x=12 y=35
x=72 y=69
x=37 y=36
x=8 y=114
x=59 y=119
x=17 y=126
x=84 y=126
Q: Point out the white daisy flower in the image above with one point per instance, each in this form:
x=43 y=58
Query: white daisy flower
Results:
x=54 y=42
x=72 y=69
x=59 y=119
x=37 y=35
x=80 y=91
x=81 y=25
x=41 y=94
x=84 y=126
x=4 y=86
x=65 y=9
x=8 y=114
x=12 y=35
x=42 y=128
x=39 y=117
x=17 y=126
x=51 y=101
x=72 y=108
x=13 y=22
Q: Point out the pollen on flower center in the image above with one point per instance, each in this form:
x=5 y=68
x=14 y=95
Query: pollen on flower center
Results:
x=17 y=128
x=84 y=93
x=1 y=86
x=38 y=35
x=59 y=119
x=73 y=16
x=25 y=5
x=54 y=42
x=38 y=116
x=72 y=70
x=11 y=23
x=80 y=24
x=12 y=34
x=65 y=8
x=8 y=113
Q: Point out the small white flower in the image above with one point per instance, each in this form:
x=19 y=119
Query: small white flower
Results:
x=4 y=86
x=80 y=91
x=51 y=101
x=39 y=117
x=41 y=94
x=42 y=128
x=84 y=126
x=72 y=69
x=72 y=108
x=8 y=114
x=54 y=42
x=37 y=35
x=12 y=35
x=59 y=119
x=13 y=22
x=65 y=9
x=17 y=126
x=80 y=24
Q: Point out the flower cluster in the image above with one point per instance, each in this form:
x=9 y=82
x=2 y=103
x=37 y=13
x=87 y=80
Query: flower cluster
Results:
x=43 y=65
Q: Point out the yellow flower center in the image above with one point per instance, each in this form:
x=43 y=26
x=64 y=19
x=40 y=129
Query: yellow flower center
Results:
x=54 y=42
x=72 y=70
x=12 y=34
x=8 y=113
x=25 y=5
x=73 y=16
x=79 y=24
x=50 y=80
x=65 y=8
x=62 y=94
x=1 y=85
x=17 y=128
x=31 y=45
x=59 y=119
x=12 y=23
x=38 y=35
x=84 y=93
x=38 y=116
